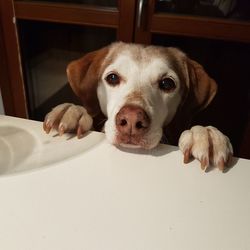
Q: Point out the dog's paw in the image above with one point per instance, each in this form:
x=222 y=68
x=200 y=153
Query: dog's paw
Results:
x=68 y=117
x=208 y=145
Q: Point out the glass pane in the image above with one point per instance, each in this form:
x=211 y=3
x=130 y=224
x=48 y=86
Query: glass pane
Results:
x=235 y=9
x=47 y=48
x=106 y=3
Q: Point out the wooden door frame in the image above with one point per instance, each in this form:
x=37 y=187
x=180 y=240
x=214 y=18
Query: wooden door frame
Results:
x=11 y=80
x=4 y=79
x=127 y=15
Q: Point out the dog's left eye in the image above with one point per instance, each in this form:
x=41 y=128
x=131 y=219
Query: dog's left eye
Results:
x=167 y=84
x=113 y=79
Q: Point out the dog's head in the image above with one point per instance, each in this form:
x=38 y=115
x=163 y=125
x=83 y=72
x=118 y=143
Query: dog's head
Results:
x=139 y=89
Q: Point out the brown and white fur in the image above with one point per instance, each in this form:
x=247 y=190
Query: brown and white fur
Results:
x=144 y=92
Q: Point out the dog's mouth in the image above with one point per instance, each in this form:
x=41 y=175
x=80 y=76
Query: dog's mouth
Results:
x=130 y=141
x=135 y=142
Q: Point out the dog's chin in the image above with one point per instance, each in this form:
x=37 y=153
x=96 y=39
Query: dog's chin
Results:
x=148 y=142
x=133 y=146
x=142 y=145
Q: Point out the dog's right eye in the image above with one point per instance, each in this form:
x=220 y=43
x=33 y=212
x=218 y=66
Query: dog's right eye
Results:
x=113 y=79
x=167 y=84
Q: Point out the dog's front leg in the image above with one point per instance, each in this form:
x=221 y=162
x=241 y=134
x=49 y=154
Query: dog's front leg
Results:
x=208 y=145
x=68 y=117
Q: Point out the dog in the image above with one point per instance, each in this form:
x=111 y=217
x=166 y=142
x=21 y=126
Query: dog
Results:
x=143 y=94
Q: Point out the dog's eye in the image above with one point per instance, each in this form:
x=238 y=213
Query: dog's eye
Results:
x=167 y=84
x=113 y=79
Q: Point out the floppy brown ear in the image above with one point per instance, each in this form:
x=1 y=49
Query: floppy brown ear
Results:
x=83 y=75
x=202 y=88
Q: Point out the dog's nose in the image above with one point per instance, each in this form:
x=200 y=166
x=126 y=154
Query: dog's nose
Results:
x=132 y=120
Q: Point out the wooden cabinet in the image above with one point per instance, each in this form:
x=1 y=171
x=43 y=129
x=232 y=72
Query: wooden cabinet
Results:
x=38 y=39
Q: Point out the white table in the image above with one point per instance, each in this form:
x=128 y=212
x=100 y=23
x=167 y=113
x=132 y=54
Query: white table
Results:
x=103 y=198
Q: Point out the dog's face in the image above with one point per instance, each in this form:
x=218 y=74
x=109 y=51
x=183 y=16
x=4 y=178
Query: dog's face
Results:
x=139 y=92
x=139 y=89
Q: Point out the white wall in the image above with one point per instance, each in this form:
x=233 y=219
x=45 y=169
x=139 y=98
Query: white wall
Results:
x=1 y=105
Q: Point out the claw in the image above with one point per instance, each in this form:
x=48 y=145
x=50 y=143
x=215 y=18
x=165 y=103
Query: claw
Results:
x=61 y=130
x=80 y=132
x=221 y=164
x=204 y=163
x=47 y=126
x=186 y=155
